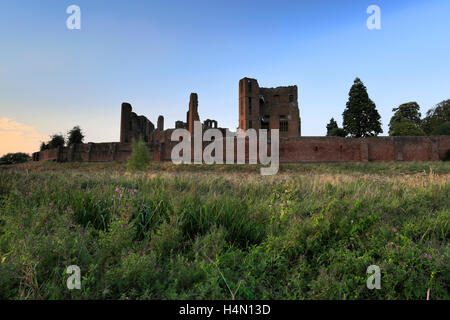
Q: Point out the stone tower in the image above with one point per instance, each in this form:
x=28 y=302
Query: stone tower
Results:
x=192 y=114
x=269 y=108
x=125 y=122
x=160 y=124
x=249 y=115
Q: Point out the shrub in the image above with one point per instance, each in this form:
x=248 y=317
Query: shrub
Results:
x=13 y=158
x=447 y=155
x=139 y=158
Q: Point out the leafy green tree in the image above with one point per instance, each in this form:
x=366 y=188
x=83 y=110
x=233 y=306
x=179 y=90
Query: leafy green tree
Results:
x=407 y=111
x=405 y=127
x=75 y=136
x=13 y=158
x=334 y=131
x=436 y=117
x=361 y=118
x=337 y=132
x=332 y=125
x=56 y=140
x=442 y=130
x=140 y=157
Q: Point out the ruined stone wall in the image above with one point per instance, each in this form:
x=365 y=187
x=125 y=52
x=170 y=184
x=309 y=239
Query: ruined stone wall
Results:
x=299 y=149
x=50 y=155
x=337 y=149
x=269 y=108
x=133 y=126
x=278 y=105
x=192 y=114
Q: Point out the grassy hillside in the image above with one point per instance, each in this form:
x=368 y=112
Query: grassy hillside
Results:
x=214 y=232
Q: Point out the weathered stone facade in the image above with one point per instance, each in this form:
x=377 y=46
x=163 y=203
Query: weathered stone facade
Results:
x=259 y=108
x=133 y=126
x=269 y=108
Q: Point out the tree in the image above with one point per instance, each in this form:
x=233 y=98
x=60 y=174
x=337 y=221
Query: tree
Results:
x=332 y=125
x=406 y=121
x=361 y=118
x=442 y=130
x=13 y=158
x=337 y=132
x=436 y=117
x=405 y=127
x=44 y=146
x=139 y=157
x=334 y=131
x=56 y=140
x=75 y=136
x=409 y=111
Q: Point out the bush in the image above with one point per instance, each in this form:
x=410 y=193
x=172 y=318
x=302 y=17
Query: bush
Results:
x=13 y=158
x=139 y=158
x=447 y=155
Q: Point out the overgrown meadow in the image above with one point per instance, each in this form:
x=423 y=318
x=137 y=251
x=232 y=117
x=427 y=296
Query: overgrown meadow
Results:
x=224 y=232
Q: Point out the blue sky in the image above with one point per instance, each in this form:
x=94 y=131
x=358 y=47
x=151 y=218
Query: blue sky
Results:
x=153 y=54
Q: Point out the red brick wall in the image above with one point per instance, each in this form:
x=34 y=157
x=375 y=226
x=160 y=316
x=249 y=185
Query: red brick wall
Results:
x=320 y=149
x=298 y=149
x=49 y=155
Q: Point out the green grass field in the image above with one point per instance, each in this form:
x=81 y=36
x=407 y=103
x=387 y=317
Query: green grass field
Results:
x=223 y=232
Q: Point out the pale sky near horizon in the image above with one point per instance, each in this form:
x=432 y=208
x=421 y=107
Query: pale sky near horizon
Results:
x=153 y=54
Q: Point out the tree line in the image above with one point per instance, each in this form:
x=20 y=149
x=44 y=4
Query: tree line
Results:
x=361 y=118
x=74 y=136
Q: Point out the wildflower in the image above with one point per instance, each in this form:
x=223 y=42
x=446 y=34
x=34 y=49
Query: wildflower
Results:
x=394 y=229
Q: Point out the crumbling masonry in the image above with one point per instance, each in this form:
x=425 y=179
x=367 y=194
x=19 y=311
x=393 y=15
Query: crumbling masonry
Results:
x=259 y=108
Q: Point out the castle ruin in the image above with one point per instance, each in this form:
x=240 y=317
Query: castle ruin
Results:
x=259 y=108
